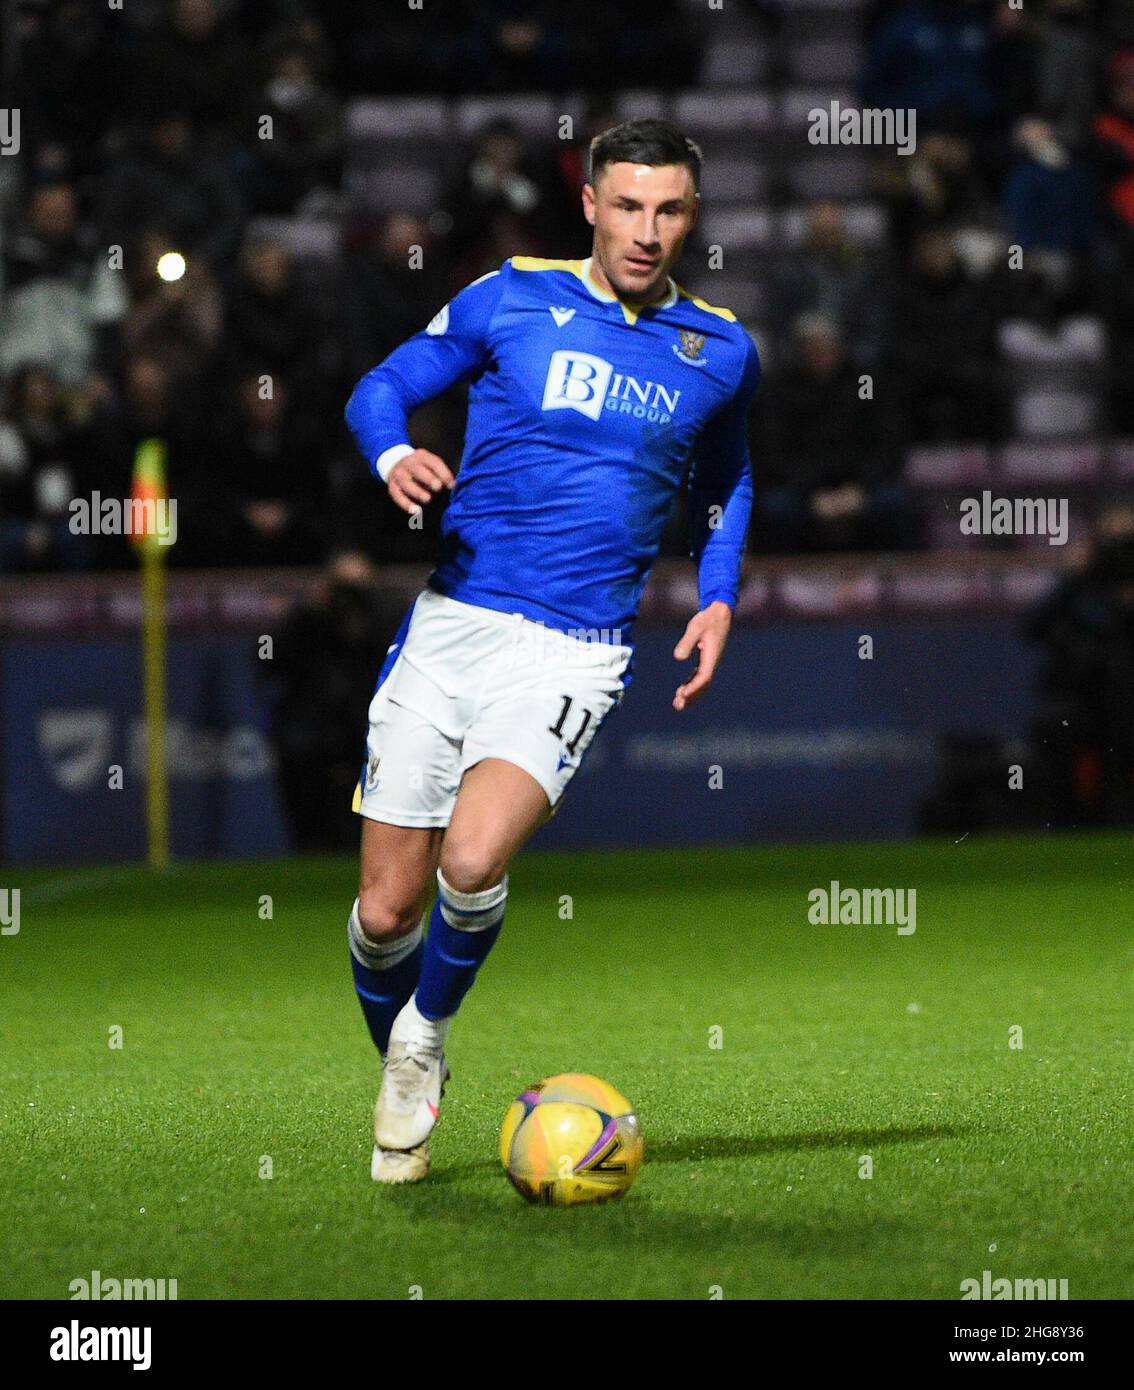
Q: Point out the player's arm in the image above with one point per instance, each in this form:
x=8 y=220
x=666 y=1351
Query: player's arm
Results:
x=720 y=504
x=453 y=347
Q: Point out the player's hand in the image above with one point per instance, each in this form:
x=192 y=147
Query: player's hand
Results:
x=706 y=635
x=414 y=480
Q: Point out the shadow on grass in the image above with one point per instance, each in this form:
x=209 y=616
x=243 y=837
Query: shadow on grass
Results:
x=709 y=1148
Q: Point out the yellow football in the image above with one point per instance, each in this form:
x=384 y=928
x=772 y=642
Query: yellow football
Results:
x=571 y=1139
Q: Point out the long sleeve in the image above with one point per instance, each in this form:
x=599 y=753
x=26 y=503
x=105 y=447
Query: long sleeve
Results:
x=721 y=478
x=453 y=346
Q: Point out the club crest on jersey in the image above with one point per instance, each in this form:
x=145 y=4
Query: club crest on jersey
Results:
x=589 y=384
x=690 y=349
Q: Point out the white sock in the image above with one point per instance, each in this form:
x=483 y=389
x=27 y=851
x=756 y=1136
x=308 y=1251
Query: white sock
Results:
x=412 y=1024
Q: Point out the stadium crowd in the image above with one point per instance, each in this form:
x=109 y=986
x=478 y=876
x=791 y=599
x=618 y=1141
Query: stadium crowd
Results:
x=142 y=130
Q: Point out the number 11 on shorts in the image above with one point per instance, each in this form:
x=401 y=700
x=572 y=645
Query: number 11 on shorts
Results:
x=557 y=727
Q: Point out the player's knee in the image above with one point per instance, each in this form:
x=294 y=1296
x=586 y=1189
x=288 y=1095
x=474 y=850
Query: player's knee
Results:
x=383 y=918
x=471 y=868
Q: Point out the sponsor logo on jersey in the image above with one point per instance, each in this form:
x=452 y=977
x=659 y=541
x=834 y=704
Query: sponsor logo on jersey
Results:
x=561 y=316
x=439 y=322
x=690 y=349
x=589 y=384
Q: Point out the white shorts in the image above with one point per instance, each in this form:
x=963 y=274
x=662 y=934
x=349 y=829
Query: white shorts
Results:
x=471 y=683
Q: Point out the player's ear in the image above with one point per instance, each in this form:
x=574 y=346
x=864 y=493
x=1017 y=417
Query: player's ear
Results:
x=589 y=203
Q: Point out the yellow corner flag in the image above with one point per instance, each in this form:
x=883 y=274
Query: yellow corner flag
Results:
x=150 y=532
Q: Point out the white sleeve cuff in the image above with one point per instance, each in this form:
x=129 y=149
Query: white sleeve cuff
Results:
x=384 y=463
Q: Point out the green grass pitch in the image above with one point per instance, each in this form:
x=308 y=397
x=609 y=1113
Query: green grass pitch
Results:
x=242 y=1038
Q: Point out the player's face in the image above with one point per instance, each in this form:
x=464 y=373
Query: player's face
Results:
x=641 y=214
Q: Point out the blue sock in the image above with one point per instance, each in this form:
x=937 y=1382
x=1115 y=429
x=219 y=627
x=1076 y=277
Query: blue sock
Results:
x=385 y=975
x=462 y=930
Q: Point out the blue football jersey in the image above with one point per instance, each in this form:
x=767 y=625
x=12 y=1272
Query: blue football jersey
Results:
x=583 y=413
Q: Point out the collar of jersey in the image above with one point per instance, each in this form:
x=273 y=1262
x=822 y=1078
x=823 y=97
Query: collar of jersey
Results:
x=629 y=311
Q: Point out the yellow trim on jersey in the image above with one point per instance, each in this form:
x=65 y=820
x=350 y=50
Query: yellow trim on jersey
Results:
x=581 y=271
x=542 y=263
x=356 y=801
x=726 y=314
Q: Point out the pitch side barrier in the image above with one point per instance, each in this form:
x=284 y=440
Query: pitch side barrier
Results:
x=841 y=677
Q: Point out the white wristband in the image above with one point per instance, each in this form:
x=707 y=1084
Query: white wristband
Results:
x=384 y=463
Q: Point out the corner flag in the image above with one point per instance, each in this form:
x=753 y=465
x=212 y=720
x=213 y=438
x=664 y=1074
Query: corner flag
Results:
x=148 y=505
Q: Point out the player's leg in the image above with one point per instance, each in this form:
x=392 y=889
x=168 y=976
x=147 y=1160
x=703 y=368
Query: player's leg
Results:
x=406 y=797
x=540 y=711
x=498 y=807
x=540 y=701
x=397 y=871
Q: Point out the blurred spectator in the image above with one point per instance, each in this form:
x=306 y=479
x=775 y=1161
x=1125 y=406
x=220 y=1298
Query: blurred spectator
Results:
x=666 y=52
x=389 y=291
x=69 y=89
x=39 y=445
x=268 y=460
x=326 y=660
x=935 y=188
x=933 y=56
x=1114 y=133
x=273 y=324
x=836 y=278
x=1066 y=71
x=941 y=345
x=51 y=242
x=169 y=178
x=177 y=321
x=1045 y=56
x=969 y=794
x=504 y=235
x=61 y=290
x=1118 y=22
x=569 y=173
x=829 y=460
x=1084 y=737
x=1118 y=304
x=148 y=406
x=300 y=166
x=157 y=109
x=512 y=45
x=1049 y=201
x=496 y=180
x=389 y=57
x=1048 y=289
x=192 y=64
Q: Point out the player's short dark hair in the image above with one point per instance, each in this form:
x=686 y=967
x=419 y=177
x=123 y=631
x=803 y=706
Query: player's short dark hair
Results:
x=648 y=141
